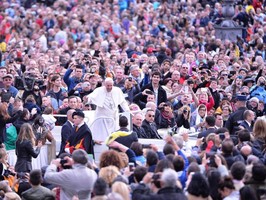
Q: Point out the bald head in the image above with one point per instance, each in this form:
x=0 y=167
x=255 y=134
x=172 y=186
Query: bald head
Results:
x=69 y=114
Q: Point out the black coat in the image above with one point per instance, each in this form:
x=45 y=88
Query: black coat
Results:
x=169 y=193
x=150 y=129
x=161 y=93
x=181 y=121
x=25 y=152
x=140 y=132
x=246 y=126
x=83 y=133
x=234 y=120
x=66 y=131
x=129 y=139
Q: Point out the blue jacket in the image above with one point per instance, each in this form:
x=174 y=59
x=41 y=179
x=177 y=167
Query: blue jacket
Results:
x=259 y=92
x=71 y=82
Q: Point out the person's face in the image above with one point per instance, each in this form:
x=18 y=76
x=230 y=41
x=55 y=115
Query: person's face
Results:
x=219 y=121
x=175 y=76
x=3 y=72
x=58 y=82
x=155 y=79
x=78 y=73
x=77 y=120
x=135 y=73
x=150 y=98
x=119 y=74
x=65 y=103
x=166 y=66
x=200 y=55
x=56 y=59
x=213 y=85
x=184 y=69
x=169 y=84
x=137 y=120
x=203 y=97
x=86 y=86
x=202 y=111
x=253 y=104
x=238 y=82
x=243 y=73
x=7 y=82
x=93 y=80
x=185 y=99
x=150 y=116
x=45 y=101
x=252 y=116
x=108 y=86
x=72 y=103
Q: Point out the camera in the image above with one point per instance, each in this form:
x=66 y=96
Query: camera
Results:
x=190 y=82
x=185 y=111
x=21 y=175
x=8 y=172
x=63 y=162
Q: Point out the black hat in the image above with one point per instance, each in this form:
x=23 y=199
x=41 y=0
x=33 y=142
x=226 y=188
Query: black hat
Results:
x=249 y=80
x=241 y=97
x=78 y=113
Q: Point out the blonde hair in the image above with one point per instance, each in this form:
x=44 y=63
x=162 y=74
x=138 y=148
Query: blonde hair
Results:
x=109 y=174
x=26 y=133
x=122 y=189
x=259 y=130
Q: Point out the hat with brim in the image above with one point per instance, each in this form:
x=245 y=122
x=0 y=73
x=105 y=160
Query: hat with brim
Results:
x=7 y=76
x=78 y=113
x=241 y=98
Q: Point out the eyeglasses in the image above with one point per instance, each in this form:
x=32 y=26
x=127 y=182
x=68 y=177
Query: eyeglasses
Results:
x=224 y=74
x=151 y=116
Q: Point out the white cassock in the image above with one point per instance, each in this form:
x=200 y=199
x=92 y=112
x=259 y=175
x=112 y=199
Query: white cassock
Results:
x=106 y=113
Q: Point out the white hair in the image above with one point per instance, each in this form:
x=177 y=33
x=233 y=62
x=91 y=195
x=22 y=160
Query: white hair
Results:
x=108 y=79
x=169 y=177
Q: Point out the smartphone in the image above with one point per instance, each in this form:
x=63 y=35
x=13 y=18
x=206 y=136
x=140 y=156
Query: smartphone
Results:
x=131 y=166
x=149 y=92
x=186 y=89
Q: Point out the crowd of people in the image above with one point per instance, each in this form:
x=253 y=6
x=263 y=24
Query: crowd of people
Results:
x=157 y=59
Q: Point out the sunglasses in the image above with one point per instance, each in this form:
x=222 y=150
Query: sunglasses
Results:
x=151 y=116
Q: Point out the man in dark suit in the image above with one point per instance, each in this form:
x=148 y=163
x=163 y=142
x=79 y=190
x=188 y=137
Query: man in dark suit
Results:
x=67 y=130
x=149 y=126
x=82 y=137
x=210 y=128
x=249 y=117
x=209 y=125
x=154 y=86
x=137 y=121
x=72 y=104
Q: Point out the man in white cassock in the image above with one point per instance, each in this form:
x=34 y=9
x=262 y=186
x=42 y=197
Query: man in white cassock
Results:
x=107 y=99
